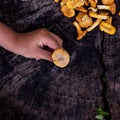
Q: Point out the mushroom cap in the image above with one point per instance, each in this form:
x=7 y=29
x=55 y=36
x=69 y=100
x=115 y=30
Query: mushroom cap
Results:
x=113 y=8
x=60 y=57
x=67 y=12
x=107 y=28
x=107 y=2
x=72 y=4
x=84 y=20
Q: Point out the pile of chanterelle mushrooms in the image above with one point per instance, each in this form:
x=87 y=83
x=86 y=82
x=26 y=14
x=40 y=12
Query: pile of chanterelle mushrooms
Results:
x=89 y=14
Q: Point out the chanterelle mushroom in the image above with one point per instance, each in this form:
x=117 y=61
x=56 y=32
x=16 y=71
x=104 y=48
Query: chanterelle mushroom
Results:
x=84 y=20
x=111 y=7
x=80 y=33
x=108 y=28
x=60 y=57
x=107 y=2
x=67 y=12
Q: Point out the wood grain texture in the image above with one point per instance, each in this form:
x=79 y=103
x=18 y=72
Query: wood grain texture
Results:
x=39 y=90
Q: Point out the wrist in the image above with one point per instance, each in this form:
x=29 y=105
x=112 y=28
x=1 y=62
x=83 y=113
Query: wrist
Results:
x=7 y=37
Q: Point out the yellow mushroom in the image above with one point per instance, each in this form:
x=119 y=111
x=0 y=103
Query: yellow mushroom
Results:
x=94 y=25
x=60 y=57
x=84 y=20
x=107 y=28
x=81 y=9
x=96 y=15
x=67 y=12
x=72 y=4
x=63 y=2
x=109 y=20
x=107 y=2
x=80 y=33
x=111 y=7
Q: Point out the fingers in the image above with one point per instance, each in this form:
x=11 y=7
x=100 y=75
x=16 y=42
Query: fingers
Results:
x=51 y=43
x=50 y=39
x=43 y=54
x=57 y=38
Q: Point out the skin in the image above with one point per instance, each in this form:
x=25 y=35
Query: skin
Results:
x=31 y=44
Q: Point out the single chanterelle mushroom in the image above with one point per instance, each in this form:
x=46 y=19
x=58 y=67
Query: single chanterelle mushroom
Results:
x=108 y=28
x=111 y=7
x=60 y=57
x=96 y=15
x=67 y=12
x=107 y=2
x=80 y=33
x=84 y=20
x=94 y=25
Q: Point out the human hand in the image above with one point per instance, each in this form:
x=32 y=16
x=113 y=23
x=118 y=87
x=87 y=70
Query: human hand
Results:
x=31 y=44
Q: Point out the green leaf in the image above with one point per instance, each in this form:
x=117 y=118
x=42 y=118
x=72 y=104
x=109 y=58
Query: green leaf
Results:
x=103 y=113
x=99 y=117
x=100 y=111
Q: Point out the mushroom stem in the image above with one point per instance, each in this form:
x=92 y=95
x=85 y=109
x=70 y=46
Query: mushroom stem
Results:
x=93 y=9
x=80 y=33
x=82 y=9
x=111 y=7
x=95 y=15
x=109 y=20
x=94 y=25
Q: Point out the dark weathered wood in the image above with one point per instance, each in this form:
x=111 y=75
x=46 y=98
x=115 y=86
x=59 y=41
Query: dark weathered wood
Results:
x=39 y=90
x=111 y=56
